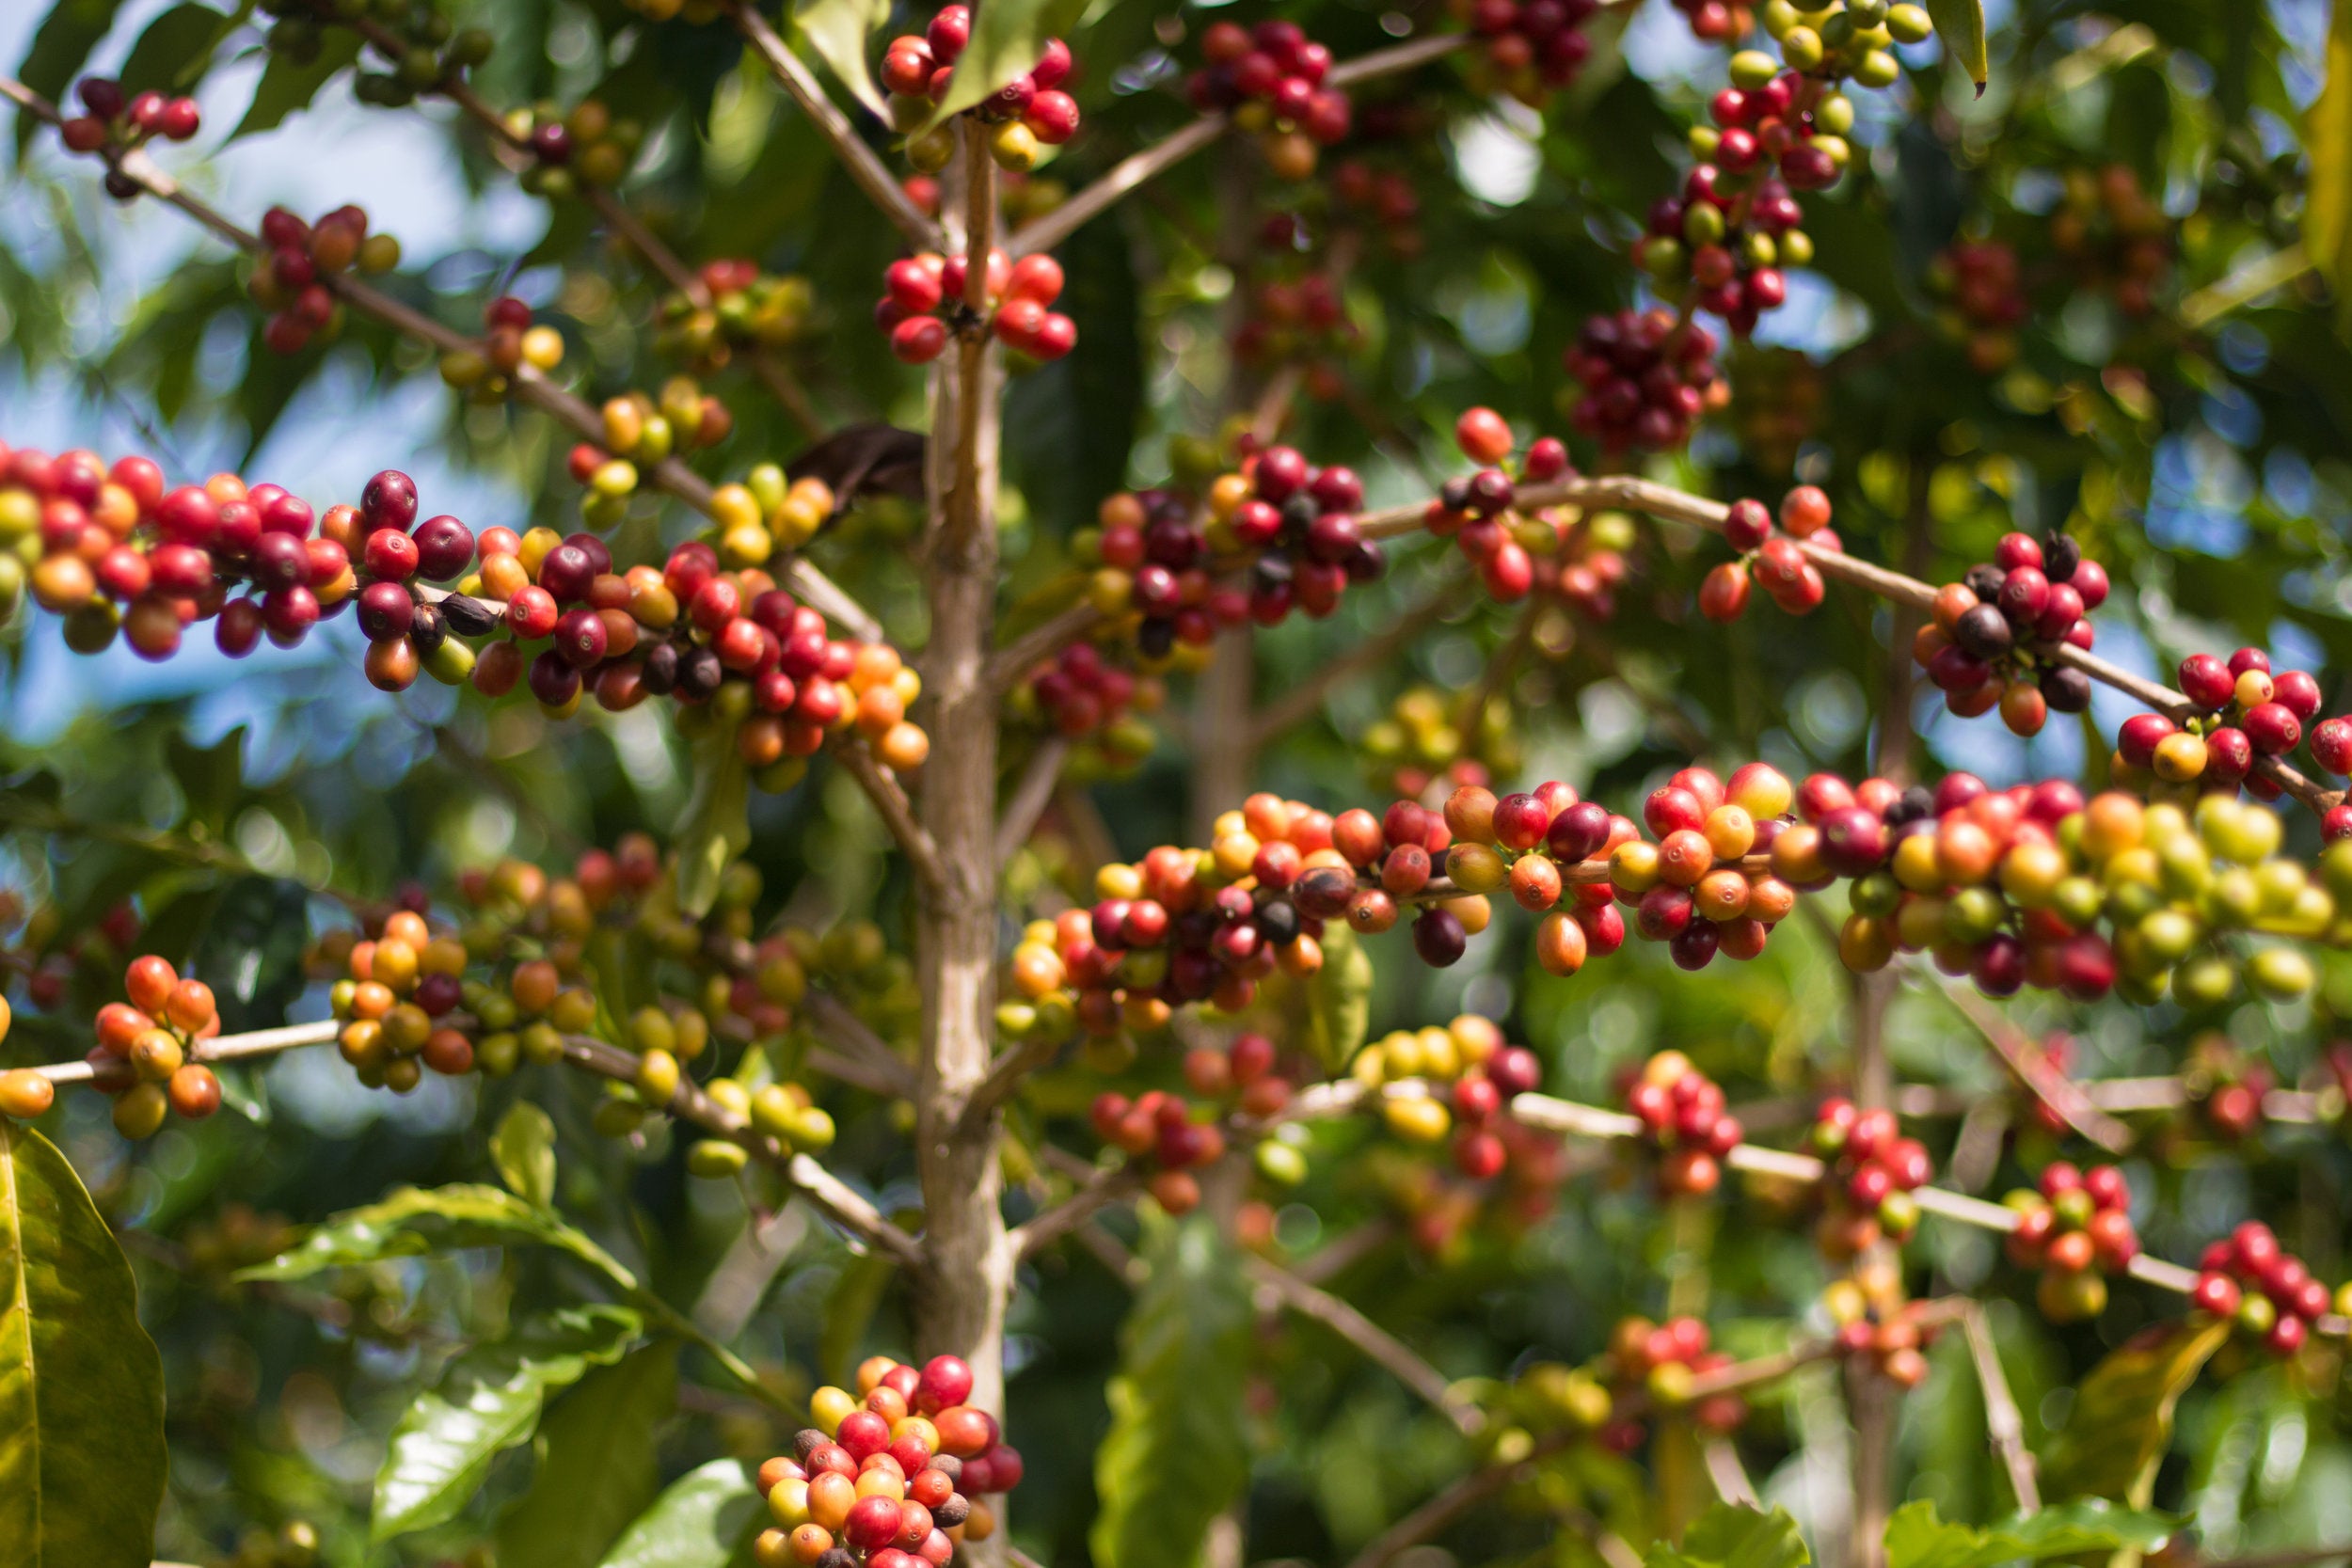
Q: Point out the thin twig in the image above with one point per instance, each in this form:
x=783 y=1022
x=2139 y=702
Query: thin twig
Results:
x=1729 y=1475
x=1011 y=664
x=1139 y=168
x=2005 y=1425
x=1376 y=1343
x=860 y=160
x=859 y=1055
x=1105 y=1187
x=1298 y=703
x=1031 y=796
x=2041 y=1077
x=898 y=812
x=1005 y=1074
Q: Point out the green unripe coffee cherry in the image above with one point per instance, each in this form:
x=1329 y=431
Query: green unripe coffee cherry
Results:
x=1281 y=1164
x=1015 y=1019
x=2078 y=900
x=1704 y=141
x=2205 y=982
x=1476 y=868
x=934 y=149
x=618 y=1119
x=1910 y=24
x=773 y=1111
x=1665 y=259
x=813 y=1131
x=657 y=1078
x=716 y=1160
x=450 y=662
x=1702 y=223
x=1670 y=1384
x=2143 y=991
x=1801 y=48
x=1878 y=68
x=2281 y=973
x=542 y=1042
x=1834 y=114
x=1752 y=68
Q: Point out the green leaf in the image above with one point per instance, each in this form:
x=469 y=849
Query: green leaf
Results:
x=287 y=88
x=1177 y=1451
x=2123 y=1415
x=1917 y=1538
x=1961 y=25
x=702 y=1521
x=210 y=778
x=1726 y=1536
x=487 y=1402
x=524 y=1150
x=717 y=823
x=1339 y=999
x=176 y=51
x=2328 y=139
x=597 y=1470
x=250 y=951
x=1007 y=37
x=81 y=1386
x=68 y=34
x=414 y=1221
x=838 y=30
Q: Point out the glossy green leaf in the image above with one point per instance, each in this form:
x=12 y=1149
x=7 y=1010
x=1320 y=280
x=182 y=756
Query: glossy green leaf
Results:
x=1007 y=37
x=81 y=1386
x=1177 y=1453
x=839 y=31
x=487 y=1402
x=414 y=1221
x=176 y=51
x=716 y=824
x=287 y=87
x=2123 y=1415
x=523 y=1148
x=1727 y=1536
x=2327 y=199
x=61 y=47
x=1917 y=1538
x=1961 y=25
x=1339 y=999
x=597 y=1465
x=702 y=1521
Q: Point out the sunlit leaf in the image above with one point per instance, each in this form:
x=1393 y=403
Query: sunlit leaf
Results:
x=1917 y=1538
x=487 y=1402
x=716 y=826
x=1177 y=1453
x=1726 y=1536
x=2123 y=1415
x=523 y=1148
x=1007 y=37
x=1961 y=25
x=702 y=1521
x=1339 y=999
x=81 y=1386
x=415 y=1221
x=839 y=31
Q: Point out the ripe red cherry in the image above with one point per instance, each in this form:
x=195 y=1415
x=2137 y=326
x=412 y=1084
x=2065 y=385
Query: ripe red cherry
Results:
x=389 y=500
x=2206 y=681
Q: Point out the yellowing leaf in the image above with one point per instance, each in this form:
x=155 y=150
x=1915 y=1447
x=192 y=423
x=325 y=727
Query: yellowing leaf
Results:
x=2123 y=1415
x=2328 y=200
x=838 y=30
x=1961 y=25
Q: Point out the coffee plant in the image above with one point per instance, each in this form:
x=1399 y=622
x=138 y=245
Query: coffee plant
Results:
x=1507 y=781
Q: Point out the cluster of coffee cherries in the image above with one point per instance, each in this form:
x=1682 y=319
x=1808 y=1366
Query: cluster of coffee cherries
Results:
x=111 y=119
x=1419 y=743
x=923 y=300
x=1717 y=20
x=1152 y=572
x=887 y=1478
x=1479 y=1075
x=1299 y=320
x=1027 y=115
x=418 y=44
x=1162 y=1129
x=1891 y=1338
x=510 y=340
x=1083 y=695
x=1381 y=201
x=293 y=282
x=2246 y=710
x=1297 y=524
x=1870 y=1172
x=1270 y=78
x=639 y=432
x=1178 y=926
x=1529 y=49
x=1989 y=638
x=117 y=551
x=587 y=145
x=145 y=1058
x=1980 y=278
x=1381 y=864
x=1664 y=1361
x=2266 y=1290
x=1723 y=244
x=1683 y=1120
x=1849 y=39
x=1704 y=887
x=1476 y=510
x=747 y=309
x=1770 y=561
x=1647 y=379
x=2116 y=236
x=2076 y=1228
